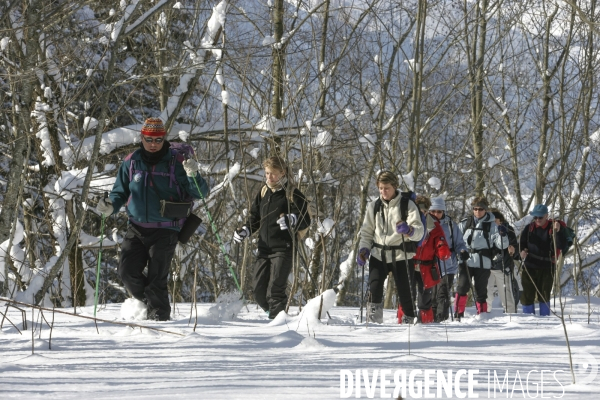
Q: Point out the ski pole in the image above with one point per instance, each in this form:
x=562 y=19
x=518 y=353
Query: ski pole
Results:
x=414 y=298
x=505 y=285
x=555 y=277
x=362 y=293
x=99 y=260
x=216 y=233
x=512 y=286
x=470 y=282
x=448 y=291
x=237 y=255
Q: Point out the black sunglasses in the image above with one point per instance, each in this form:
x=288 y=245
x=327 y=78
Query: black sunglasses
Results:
x=538 y=217
x=150 y=140
x=478 y=209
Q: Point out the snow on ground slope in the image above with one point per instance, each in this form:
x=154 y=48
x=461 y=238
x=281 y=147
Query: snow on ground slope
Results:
x=296 y=357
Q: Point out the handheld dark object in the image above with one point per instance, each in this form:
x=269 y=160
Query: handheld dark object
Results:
x=192 y=223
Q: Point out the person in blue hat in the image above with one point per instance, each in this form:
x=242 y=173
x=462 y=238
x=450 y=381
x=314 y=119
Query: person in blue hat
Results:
x=539 y=259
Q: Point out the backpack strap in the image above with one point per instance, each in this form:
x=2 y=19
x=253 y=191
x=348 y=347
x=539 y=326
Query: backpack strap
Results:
x=404 y=199
x=452 y=249
x=176 y=156
x=486 y=226
x=376 y=209
x=404 y=208
x=131 y=164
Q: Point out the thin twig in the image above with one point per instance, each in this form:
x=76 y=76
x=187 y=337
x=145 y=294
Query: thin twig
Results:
x=32 y=330
x=92 y=318
x=51 y=326
x=5 y=317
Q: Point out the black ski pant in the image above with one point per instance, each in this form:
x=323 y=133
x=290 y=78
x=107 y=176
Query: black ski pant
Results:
x=378 y=272
x=537 y=282
x=154 y=248
x=441 y=296
x=270 y=281
x=480 y=277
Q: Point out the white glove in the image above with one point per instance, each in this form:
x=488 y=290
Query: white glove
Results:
x=190 y=166
x=240 y=234
x=290 y=217
x=105 y=207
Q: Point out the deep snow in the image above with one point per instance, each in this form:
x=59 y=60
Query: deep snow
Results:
x=292 y=357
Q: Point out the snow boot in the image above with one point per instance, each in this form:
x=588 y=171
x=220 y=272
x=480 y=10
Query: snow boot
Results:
x=460 y=303
x=481 y=308
x=151 y=312
x=406 y=320
x=545 y=309
x=375 y=313
x=426 y=316
x=530 y=309
x=400 y=313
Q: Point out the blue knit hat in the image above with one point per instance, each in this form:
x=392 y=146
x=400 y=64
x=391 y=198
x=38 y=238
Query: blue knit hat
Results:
x=437 y=203
x=539 y=210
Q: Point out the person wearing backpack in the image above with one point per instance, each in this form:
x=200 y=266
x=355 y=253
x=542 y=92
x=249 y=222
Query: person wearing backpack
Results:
x=431 y=250
x=391 y=229
x=278 y=213
x=539 y=259
x=501 y=274
x=154 y=178
x=484 y=239
x=449 y=267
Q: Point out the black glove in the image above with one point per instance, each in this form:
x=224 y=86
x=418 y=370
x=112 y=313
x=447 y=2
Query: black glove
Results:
x=464 y=256
x=502 y=230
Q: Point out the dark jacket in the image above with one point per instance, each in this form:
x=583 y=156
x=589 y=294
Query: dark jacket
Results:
x=142 y=198
x=267 y=210
x=497 y=263
x=540 y=245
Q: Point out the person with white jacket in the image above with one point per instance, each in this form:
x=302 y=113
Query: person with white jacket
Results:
x=484 y=239
x=448 y=268
x=388 y=241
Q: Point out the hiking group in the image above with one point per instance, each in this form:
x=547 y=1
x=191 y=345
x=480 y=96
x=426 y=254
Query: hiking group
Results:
x=410 y=236
x=415 y=239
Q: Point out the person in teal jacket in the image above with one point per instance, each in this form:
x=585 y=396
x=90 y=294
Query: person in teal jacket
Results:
x=154 y=172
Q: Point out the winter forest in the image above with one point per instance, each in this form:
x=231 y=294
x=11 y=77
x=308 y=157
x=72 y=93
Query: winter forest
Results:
x=459 y=98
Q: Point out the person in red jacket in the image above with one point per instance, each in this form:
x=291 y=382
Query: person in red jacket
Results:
x=433 y=248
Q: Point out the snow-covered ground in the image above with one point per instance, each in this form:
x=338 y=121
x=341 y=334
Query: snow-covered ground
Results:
x=298 y=357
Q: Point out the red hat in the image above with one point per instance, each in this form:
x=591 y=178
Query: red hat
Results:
x=153 y=127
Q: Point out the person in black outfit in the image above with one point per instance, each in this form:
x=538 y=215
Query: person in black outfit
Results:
x=279 y=211
x=539 y=259
x=501 y=274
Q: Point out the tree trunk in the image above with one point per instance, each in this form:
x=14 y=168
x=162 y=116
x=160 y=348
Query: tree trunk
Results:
x=417 y=85
x=78 y=294
x=546 y=77
x=278 y=54
x=24 y=87
x=476 y=76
